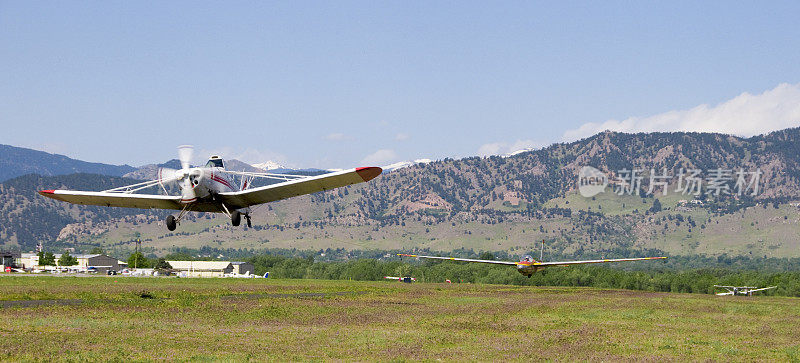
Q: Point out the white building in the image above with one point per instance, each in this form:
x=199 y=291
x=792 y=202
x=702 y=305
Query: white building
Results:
x=210 y=268
x=28 y=260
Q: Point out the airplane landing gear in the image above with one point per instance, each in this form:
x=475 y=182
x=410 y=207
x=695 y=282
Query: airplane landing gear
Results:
x=236 y=218
x=172 y=221
x=171 y=225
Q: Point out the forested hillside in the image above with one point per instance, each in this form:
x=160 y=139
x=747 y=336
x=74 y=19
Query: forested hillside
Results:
x=29 y=218
x=510 y=203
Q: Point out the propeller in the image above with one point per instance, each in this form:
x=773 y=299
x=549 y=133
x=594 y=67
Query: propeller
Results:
x=185 y=155
x=186 y=178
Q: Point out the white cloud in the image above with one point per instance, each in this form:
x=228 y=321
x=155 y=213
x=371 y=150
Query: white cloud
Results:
x=491 y=149
x=380 y=157
x=401 y=136
x=336 y=136
x=502 y=148
x=743 y=115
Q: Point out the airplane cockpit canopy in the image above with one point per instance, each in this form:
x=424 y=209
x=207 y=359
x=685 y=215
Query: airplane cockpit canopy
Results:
x=215 y=162
x=527 y=258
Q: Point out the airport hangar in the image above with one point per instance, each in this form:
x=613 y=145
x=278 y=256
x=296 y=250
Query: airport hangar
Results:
x=211 y=268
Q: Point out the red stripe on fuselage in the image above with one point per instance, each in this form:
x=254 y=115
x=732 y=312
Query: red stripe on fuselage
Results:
x=221 y=181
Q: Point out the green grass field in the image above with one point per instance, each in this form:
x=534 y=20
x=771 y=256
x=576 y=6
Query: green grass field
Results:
x=106 y=318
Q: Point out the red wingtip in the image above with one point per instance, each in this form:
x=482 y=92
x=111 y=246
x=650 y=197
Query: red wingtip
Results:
x=369 y=173
x=43 y=192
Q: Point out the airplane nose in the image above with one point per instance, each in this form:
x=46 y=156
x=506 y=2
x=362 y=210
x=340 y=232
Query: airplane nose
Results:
x=188 y=194
x=196 y=175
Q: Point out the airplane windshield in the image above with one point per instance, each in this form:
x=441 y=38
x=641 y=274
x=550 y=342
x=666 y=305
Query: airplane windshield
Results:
x=214 y=163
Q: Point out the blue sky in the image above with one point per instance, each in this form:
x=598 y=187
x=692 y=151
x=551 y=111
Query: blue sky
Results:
x=341 y=84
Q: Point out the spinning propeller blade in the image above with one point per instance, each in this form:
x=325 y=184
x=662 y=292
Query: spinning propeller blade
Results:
x=166 y=175
x=185 y=155
x=184 y=177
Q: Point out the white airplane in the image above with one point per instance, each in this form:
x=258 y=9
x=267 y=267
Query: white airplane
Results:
x=528 y=266
x=741 y=290
x=213 y=189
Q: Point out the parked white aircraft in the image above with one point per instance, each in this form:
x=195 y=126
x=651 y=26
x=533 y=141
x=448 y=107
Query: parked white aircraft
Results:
x=213 y=189
x=741 y=290
x=528 y=266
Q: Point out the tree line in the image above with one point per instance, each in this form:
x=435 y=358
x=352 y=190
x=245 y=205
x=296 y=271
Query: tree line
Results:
x=685 y=274
x=654 y=279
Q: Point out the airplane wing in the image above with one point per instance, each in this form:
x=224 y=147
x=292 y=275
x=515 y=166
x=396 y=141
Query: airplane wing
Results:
x=763 y=288
x=293 y=188
x=565 y=263
x=127 y=200
x=460 y=259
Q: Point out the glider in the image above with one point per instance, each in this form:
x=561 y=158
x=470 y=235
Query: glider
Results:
x=741 y=290
x=528 y=266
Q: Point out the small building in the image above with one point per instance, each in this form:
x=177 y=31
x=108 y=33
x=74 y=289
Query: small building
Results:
x=28 y=260
x=100 y=263
x=201 y=268
x=243 y=268
x=8 y=259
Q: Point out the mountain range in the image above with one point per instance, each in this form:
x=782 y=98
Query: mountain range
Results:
x=500 y=203
x=16 y=161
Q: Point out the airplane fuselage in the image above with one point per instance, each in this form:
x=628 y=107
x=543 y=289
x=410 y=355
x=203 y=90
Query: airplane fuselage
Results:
x=526 y=268
x=208 y=181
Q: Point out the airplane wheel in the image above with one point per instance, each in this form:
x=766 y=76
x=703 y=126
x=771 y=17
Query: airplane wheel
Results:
x=249 y=225
x=236 y=218
x=171 y=222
